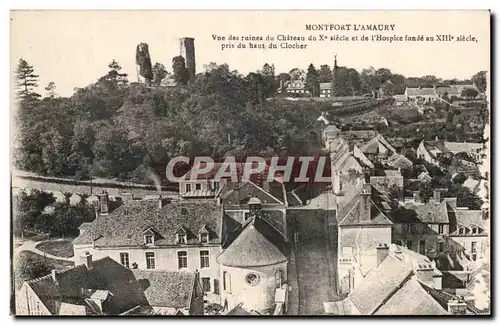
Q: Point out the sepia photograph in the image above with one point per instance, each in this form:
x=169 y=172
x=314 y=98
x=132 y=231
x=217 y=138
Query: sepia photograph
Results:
x=250 y=163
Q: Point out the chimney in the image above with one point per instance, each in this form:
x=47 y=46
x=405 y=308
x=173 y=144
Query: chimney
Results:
x=104 y=202
x=160 y=202
x=365 y=203
x=457 y=306
x=86 y=259
x=53 y=273
x=255 y=206
x=237 y=198
x=438 y=195
x=416 y=196
x=425 y=273
x=484 y=213
x=382 y=253
x=281 y=84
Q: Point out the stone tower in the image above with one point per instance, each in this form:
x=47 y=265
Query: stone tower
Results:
x=334 y=78
x=187 y=52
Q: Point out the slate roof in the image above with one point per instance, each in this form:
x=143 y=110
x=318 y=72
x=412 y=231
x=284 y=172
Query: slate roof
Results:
x=125 y=225
x=378 y=285
x=470 y=218
x=430 y=212
x=257 y=244
x=325 y=85
x=172 y=289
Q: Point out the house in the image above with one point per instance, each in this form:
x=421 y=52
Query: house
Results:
x=387 y=181
x=399 y=162
x=425 y=95
x=362 y=224
x=478 y=187
x=102 y=287
x=392 y=287
x=455 y=92
x=296 y=87
x=400 y=99
x=159 y=235
x=172 y=292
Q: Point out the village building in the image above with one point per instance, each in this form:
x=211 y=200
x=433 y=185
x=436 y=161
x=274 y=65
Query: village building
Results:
x=397 y=285
x=105 y=287
x=325 y=89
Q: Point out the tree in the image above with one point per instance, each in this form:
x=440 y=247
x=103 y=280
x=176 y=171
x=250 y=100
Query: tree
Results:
x=159 y=73
x=181 y=73
x=429 y=81
x=27 y=81
x=312 y=84
x=480 y=80
x=29 y=267
x=51 y=90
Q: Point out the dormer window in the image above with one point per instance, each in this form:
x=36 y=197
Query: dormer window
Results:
x=461 y=230
x=204 y=238
x=181 y=235
x=474 y=230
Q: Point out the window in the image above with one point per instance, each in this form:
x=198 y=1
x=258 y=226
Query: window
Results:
x=182 y=259
x=215 y=185
x=188 y=187
x=421 y=247
x=204 y=259
x=461 y=230
x=247 y=215
x=198 y=186
x=441 y=229
x=181 y=238
x=441 y=247
x=226 y=282
x=149 y=239
x=150 y=260
x=216 y=287
x=124 y=259
x=204 y=238
x=206 y=284
x=252 y=279
x=473 y=247
x=409 y=244
x=474 y=230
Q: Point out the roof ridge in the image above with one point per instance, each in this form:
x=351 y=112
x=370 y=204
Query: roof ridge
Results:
x=59 y=272
x=36 y=280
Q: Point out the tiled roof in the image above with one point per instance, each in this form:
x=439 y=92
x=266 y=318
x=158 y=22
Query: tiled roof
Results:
x=451 y=91
x=430 y=212
x=125 y=225
x=167 y=288
x=469 y=218
x=199 y=193
x=240 y=167
x=257 y=244
x=378 y=285
x=421 y=92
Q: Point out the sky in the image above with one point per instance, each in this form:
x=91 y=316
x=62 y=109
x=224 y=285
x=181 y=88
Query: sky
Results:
x=73 y=48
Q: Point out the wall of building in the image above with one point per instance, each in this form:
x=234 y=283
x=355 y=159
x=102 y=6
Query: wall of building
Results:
x=258 y=297
x=459 y=243
x=422 y=153
x=362 y=239
x=28 y=303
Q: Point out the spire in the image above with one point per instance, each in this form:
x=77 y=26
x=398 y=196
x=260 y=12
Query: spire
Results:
x=335 y=62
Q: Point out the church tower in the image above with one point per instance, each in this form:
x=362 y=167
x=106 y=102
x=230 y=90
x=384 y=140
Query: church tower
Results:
x=334 y=77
